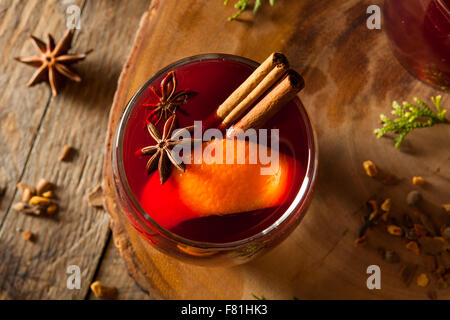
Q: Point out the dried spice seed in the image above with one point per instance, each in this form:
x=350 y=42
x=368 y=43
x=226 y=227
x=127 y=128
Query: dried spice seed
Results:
x=391 y=256
x=95 y=197
x=361 y=241
x=27 y=194
x=39 y=201
x=43 y=186
x=52 y=209
x=413 y=198
x=413 y=247
x=407 y=273
x=48 y=194
x=373 y=205
x=370 y=168
x=67 y=153
x=27 y=235
x=22 y=187
x=20 y=206
x=27 y=209
x=103 y=292
x=422 y=280
x=386 y=205
x=418 y=181
x=395 y=230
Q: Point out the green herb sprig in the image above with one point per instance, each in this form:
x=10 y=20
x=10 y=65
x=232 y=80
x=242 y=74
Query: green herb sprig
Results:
x=410 y=117
x=241 y=5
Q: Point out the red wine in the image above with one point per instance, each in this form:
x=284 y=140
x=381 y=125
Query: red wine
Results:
x=419 y=31
x=213 y=80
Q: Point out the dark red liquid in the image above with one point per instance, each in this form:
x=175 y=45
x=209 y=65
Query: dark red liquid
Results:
x=419 y=31
x=214 y=80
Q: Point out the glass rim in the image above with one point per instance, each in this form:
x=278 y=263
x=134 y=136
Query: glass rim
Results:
x=445 y=7
x=302 y=197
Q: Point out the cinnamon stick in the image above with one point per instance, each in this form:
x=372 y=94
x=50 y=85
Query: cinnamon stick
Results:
x=272 y=77
x=250 y=84
x=282 y=93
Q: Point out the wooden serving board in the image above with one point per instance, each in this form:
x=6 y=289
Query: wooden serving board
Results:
x=351 y=77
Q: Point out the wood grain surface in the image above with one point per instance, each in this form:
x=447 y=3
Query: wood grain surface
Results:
x=34 y=128
x=351 y=77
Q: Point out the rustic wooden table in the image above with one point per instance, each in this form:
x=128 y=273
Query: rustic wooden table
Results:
x=34 y=127
x=351 y=77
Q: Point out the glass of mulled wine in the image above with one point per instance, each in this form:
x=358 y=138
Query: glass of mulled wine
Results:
x=211 y=214
x=419 y=33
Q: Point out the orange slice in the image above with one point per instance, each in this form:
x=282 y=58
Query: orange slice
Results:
x=217 y=188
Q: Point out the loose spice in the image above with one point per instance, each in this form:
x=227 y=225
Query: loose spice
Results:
x=36 y=201
x=95 y=197
x=52 y=209
x=27 y=235
x=413 y=198
x=43 y=186
x=39 y=201
x=27 y=194
x=103 y=292
x=418 y=181
x=48 y=194
x=386 y=205
x=413 y=247
x=53 y=61
x=395 y=230
x=370 y=168
x=361 y=241
x=421 y=236
x=422 y=280
x=67 y=153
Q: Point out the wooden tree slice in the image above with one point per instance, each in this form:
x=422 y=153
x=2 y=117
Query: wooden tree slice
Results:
x=351 y=77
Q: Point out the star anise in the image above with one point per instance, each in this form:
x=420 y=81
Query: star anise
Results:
x=52 y=61
x=169 y=99
x=161 y=153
